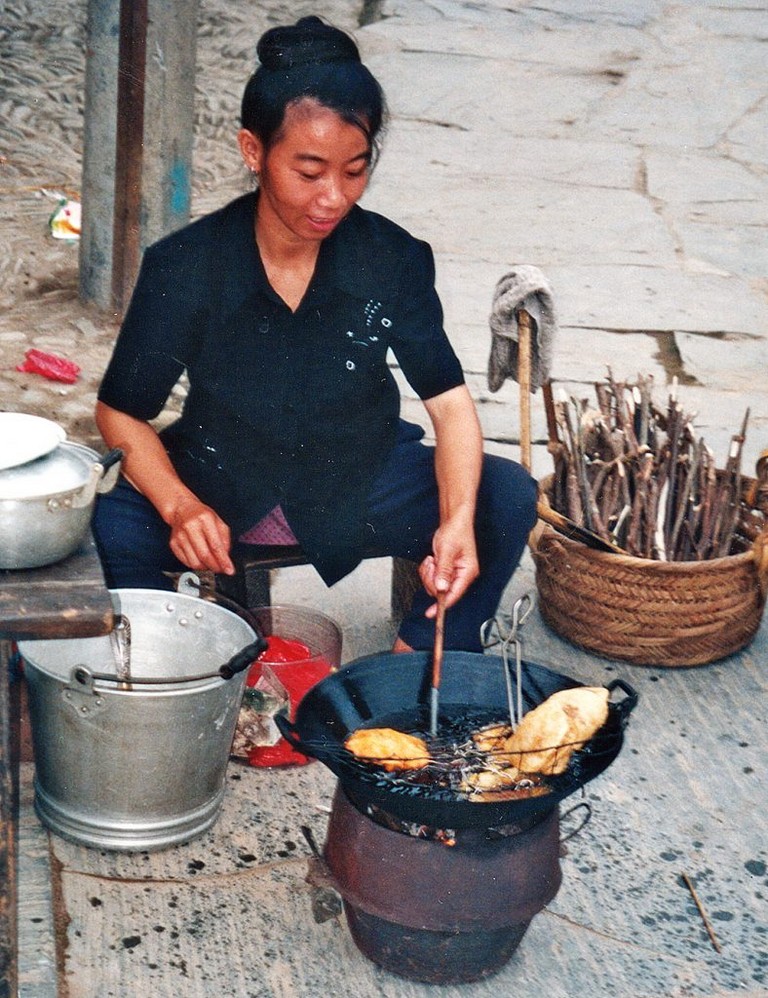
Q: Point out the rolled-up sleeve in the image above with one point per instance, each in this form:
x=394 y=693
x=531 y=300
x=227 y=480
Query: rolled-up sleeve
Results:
x=419 y=341
x=158 y=334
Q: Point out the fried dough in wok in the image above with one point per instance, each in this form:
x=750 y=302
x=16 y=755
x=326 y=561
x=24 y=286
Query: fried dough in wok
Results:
x=392 y=750
x=548 y=735
x=492 y=738
x=541 y=745
x=503 y=783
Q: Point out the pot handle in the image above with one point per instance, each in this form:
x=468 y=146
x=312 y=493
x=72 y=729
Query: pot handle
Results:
x=191 y=581
x=243 y=658
x=289 y=732
x=110 y=461
x=584 y=806
x=625 y=707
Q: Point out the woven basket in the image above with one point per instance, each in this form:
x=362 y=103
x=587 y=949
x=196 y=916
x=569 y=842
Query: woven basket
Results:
x=649 y=612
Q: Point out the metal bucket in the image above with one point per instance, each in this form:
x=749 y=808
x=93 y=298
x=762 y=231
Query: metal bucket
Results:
x=137 y=766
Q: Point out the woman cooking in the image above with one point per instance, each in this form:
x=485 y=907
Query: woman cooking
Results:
x=281 y=307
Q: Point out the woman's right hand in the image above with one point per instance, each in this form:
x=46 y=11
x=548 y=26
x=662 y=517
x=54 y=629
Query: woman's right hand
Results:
x=199 y=537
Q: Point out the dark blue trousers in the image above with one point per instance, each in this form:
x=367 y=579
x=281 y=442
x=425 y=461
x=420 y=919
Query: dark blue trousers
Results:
x=402 y=517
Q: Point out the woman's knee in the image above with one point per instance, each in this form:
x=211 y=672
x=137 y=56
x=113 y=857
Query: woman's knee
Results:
x=507 y=497
x=132 y=541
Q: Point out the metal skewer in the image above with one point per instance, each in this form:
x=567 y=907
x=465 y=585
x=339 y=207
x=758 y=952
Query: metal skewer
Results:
x=437 y=663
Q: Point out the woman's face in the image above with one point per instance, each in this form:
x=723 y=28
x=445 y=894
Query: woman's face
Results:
x=312 y=176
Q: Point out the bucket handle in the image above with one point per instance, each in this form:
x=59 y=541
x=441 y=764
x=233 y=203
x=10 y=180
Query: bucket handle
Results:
x=239 y=662
x=190 y=583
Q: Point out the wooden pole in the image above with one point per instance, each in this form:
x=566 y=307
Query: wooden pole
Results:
x=129 y=149
x=137 y=138
x=524 y=380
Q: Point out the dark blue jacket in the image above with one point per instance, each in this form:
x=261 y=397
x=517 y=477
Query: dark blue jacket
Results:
x=292 y=408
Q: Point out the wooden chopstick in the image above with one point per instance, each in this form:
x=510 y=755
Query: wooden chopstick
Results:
x=707 y=923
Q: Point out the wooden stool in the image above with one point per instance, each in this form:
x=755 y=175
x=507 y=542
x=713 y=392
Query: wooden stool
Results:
x=250 y=585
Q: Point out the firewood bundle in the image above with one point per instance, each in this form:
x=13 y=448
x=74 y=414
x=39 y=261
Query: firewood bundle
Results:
x=638 y=476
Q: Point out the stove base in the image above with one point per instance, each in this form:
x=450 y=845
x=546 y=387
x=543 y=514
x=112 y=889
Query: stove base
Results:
x=442 y=914
x=433 y=957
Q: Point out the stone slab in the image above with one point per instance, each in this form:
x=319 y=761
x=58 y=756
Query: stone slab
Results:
x=411 y=147
x=605 y=226
x=725 y=362
x=650 y=298
x=712 y=187
x=738 y=249
x=505 y=30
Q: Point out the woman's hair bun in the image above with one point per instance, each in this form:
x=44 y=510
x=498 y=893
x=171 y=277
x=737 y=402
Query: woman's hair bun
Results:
x=308 y=42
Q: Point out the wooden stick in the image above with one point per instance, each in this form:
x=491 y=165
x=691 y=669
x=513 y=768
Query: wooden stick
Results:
x=673 y=439
x=645 y=412
x=604 y=401
x=574 y=442
x=437 y=663
x=575 y=531
x=709 y=505
x=683 y=504
x=437 y=653
x=707 y=924
x=574 y=508
x=549 y=410
x=734 y=498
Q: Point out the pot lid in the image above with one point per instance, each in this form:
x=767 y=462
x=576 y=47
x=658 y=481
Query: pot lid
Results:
x=63 y=469
x=24 y=437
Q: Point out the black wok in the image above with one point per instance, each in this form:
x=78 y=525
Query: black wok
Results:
x=373 y=689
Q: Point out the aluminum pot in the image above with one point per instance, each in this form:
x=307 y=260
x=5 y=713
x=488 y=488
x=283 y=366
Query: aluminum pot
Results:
x=46 y=504
x=139 y=764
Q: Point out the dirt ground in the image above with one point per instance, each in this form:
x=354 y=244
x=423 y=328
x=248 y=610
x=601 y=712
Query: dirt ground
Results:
x=42 y=52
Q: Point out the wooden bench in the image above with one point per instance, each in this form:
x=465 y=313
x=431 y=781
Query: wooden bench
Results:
x=66 y=600
x=250 y=586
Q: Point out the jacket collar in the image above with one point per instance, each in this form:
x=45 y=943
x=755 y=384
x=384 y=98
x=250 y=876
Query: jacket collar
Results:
x=349 y=259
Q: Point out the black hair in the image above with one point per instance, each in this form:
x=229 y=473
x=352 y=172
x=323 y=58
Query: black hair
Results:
x=311 y=59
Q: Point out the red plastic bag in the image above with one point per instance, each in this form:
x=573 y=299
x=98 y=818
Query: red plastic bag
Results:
x=50 y=366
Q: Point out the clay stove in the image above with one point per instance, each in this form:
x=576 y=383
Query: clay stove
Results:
x=443 y=913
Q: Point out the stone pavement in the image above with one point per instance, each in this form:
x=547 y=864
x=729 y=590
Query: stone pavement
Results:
x=621 y=148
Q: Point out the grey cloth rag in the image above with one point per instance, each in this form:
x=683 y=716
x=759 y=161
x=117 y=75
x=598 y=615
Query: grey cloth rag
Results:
x=524 y=287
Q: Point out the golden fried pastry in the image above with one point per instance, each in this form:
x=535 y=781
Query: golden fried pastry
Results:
x=390 y=749
x=549 y=734
x=495 y=796
x=500 y=785
x=493 y=741
x=491 y=779
x=492 y=738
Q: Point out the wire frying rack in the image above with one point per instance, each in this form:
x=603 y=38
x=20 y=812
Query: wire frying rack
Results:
x=505 y=631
